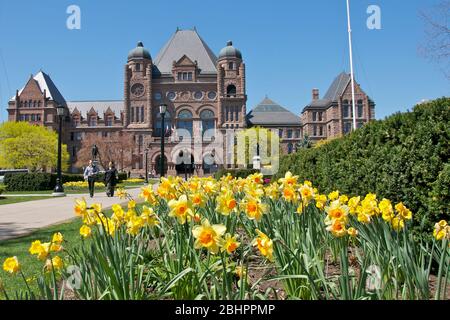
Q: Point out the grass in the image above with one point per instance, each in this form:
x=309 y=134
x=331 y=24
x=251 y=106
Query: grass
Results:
x=10 y=200
x=30 y=265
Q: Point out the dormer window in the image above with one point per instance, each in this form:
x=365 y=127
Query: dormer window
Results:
x=93 y=121
x=185 y=76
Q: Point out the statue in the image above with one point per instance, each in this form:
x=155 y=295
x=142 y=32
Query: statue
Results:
x=94 y=152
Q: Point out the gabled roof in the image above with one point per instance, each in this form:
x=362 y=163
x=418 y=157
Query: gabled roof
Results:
x=338 y=87
x=84 y=107
x=335 y=91
x=268 y=112
x=189 y=43
x=46 y=83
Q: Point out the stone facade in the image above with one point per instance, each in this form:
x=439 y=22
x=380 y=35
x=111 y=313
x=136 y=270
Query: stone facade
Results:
x=332 y=116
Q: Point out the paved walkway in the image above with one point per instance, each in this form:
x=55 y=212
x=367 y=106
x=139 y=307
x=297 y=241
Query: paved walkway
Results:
x=19 y=219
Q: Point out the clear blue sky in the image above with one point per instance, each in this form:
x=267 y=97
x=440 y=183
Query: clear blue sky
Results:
x=289 y=47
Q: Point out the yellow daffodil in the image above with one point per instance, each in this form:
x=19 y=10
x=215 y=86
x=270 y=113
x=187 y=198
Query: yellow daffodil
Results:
x=264 y=244
x=398 y=223
x=198 y=200
x=148 y=195
x=289 y=194
x=352 y=232
x=226 y=203
x=56 y=263
x=271 y=191
x=181 y=209
x=333 y=195
x=254 y=208
x=288 y=180
x=387 y=211
x=11 y=265
x=306 y=193
x=97 y=207
x=230 y=244
x=256 y=178
x=121 y=193
x=208 y=236
x=149 y=217
x=353 y=204
x=300 y=208
x=131 y=205
x=58 y=238
x=441 y=230
x=80 y=207
x=85 y=231
x=134 y=225
x=337 y=228
x=343 y=199
x=404 y=212
x=321 y=200
x=336 y=211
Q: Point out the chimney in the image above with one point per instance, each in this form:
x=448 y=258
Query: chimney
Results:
x=315 y=94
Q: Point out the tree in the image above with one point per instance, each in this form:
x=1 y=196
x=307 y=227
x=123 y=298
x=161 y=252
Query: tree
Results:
x=27 y=146
x=117 y=148
x=254 y=137
x=437 y=30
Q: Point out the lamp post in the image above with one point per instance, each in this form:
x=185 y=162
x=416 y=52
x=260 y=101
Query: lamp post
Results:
x=146 y=165
x=59 y=190
x=162 y=111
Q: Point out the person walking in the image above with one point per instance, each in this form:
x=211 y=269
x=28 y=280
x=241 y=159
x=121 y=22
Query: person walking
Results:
x=90 y=174
x=111 y=177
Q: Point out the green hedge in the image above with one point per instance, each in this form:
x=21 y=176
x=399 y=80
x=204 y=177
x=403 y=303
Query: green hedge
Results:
x=403 y=158
x=236 y=173
x=43 y=181
x=2 y=188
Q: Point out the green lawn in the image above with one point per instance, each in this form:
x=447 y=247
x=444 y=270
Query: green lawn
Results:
x=31 y=266
x=9 y=200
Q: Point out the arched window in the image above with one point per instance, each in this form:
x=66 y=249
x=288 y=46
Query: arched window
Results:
x=231 y=66
x=231 y=90
x=208 y=120
x=346 y=109
x=185 y=121
x=167 y=124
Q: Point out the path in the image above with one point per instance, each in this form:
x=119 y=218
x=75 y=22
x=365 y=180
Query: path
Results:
x=19 y=219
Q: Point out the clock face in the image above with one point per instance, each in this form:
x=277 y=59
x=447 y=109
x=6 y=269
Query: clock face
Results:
x=137 y=89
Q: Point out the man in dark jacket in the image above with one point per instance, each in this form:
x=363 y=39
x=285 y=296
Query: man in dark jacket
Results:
x=111 y=177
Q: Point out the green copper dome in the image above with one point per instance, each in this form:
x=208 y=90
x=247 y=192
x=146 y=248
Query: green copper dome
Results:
x=230 y=52
x=139 y=52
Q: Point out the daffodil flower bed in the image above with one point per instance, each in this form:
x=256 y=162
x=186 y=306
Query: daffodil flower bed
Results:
x=134 y=180
x=199 y=239
x=78 y=185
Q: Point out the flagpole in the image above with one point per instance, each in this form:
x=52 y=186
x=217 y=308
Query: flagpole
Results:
x=352 y=75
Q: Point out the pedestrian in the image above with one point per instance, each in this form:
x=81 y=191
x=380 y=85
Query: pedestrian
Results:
x=111 y=177
x=90 y=174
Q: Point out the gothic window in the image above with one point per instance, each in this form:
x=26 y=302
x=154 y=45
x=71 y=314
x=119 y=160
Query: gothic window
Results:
x=138 y=67
x=280 y=133
x=93 y=121
x=345 y=107
x=320 y=116
x=142 y=114
x=185 y=120
x=231 y=90
x=321 y=131
x=39 y=104
x=360 y=108
x=226 y=113
x=237 y=113
x=74 y=151
x=38 y=117
x=314 y=116
x=25 y=104
x=30 y=104
x=231 y=114
x=231 y=66
x=315 y=131
x=109 y=121
x=33 y=117
x=132 y=115
x=297 y=134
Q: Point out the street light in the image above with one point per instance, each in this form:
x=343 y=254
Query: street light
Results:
x=162 y=111
x=146 y=165
x=59 y=190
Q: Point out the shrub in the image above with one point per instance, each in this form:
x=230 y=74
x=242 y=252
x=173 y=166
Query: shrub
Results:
x=236 y=173
x=404 y=158
x=2 y=188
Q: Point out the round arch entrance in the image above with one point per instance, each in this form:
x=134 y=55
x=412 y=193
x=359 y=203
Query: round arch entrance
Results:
x=185 y=163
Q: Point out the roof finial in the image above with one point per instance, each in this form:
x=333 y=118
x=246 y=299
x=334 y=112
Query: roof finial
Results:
x=195 y=28
x=229 y=43
x=178 y=29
